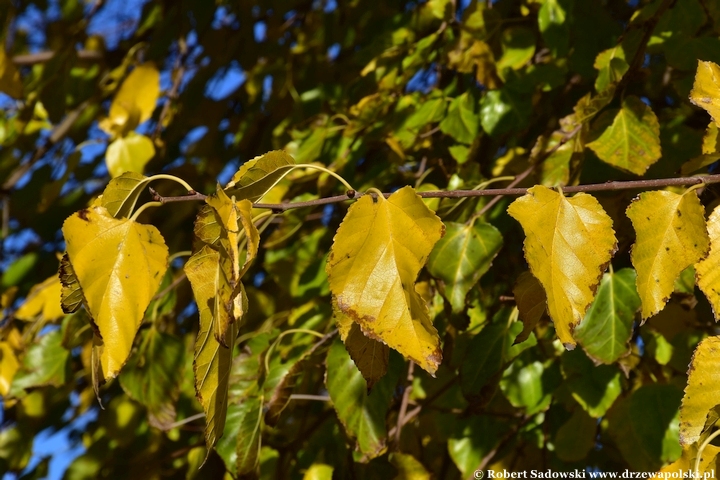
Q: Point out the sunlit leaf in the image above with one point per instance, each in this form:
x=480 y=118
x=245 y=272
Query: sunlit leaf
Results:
x=554 y=26
x=568 y=243
x=518 y=47
x=361 y=414
x=671 y=236
x=702 y=390
x=706 y=89
x=605 y=331
x=462 y=256
x=119 y=265
x=212 y=360
x=240 y=449
x=153 y=374
x=632 y=141
x=706 y=271
x=43 y=299
x=319 y=471
x=8 y=367
x=129 y=154
x=614 y=62
x=134 y=101
x=258 y=176
x=122 y=193
x=376 y=256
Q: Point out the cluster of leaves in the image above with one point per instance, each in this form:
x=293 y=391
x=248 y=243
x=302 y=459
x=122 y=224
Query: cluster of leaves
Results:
x=239 y=340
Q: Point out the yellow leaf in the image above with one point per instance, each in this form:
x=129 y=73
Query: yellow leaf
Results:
x=671 y=236
x=319 y=471
x=679 y=466
x=135 y=100
x=71 y=296
x=376 y=255
x=711 y=139
x=706 y=89
x=706 y=271
x=568 y=244
x=409 y=468
x=370 y=356
x=44 y=298
x=702 y=391
x=129 y=154
x=10 y=82
x=212 y=360
x=235 y=221
x=8 y=367
x=119 y=265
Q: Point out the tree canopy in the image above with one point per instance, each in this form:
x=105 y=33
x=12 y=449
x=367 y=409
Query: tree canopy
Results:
x=349 y=239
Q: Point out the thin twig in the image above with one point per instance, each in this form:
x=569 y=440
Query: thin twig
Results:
x=174 y=284
x=41 y=57
x=187 y=420
x=595 y=187
x=404 y=404
x=302 y=396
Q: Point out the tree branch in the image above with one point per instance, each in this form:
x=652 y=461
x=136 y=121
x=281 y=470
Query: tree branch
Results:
x=492 y=192
x=42 y=57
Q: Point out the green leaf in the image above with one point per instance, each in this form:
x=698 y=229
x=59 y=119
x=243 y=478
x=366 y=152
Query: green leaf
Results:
x=518 y=46
x=474 y=438
x=504 y=110
x=461 y=121
x=553 y=21
x=462 y=256
x=409 y=468
x=16 y=445
x=613 y=63
x=240 y=446
x=362 y=415
x=212 y=360
x=605 y=331
x=632 y=142
x=487 y=354
x=258 y=176
x=45 y=363
x=153 y=376
x=376 y=255
x=645 y=427
x=594 y=387
x=119 y=265
x=129 y=154
x=525 y=387
x=576 y=437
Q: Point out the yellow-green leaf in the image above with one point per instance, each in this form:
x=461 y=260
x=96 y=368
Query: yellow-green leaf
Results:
x=10 y=82
x=409 y=468
x=632 y=141
x=671 y=236
x=134 y=101
x=119 y=265
x=371 y=356
x=212 y=360
x=129 y=154
x=122 y=193
x=707 y=271
x=376 y=255
x=568 y=243
x=44 y=299
x=71 y=295
x=531 y=303
x=319 y=471
x=258 y=176
x=702 y=393
x=706 y=89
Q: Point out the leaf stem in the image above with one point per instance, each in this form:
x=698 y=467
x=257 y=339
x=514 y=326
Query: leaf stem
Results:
x=277 y=340
x=702 y=448
x=143 y=208
x=329 y=172
x=164 y=176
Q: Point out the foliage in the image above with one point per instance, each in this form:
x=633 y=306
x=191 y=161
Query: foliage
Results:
x=283 y=295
